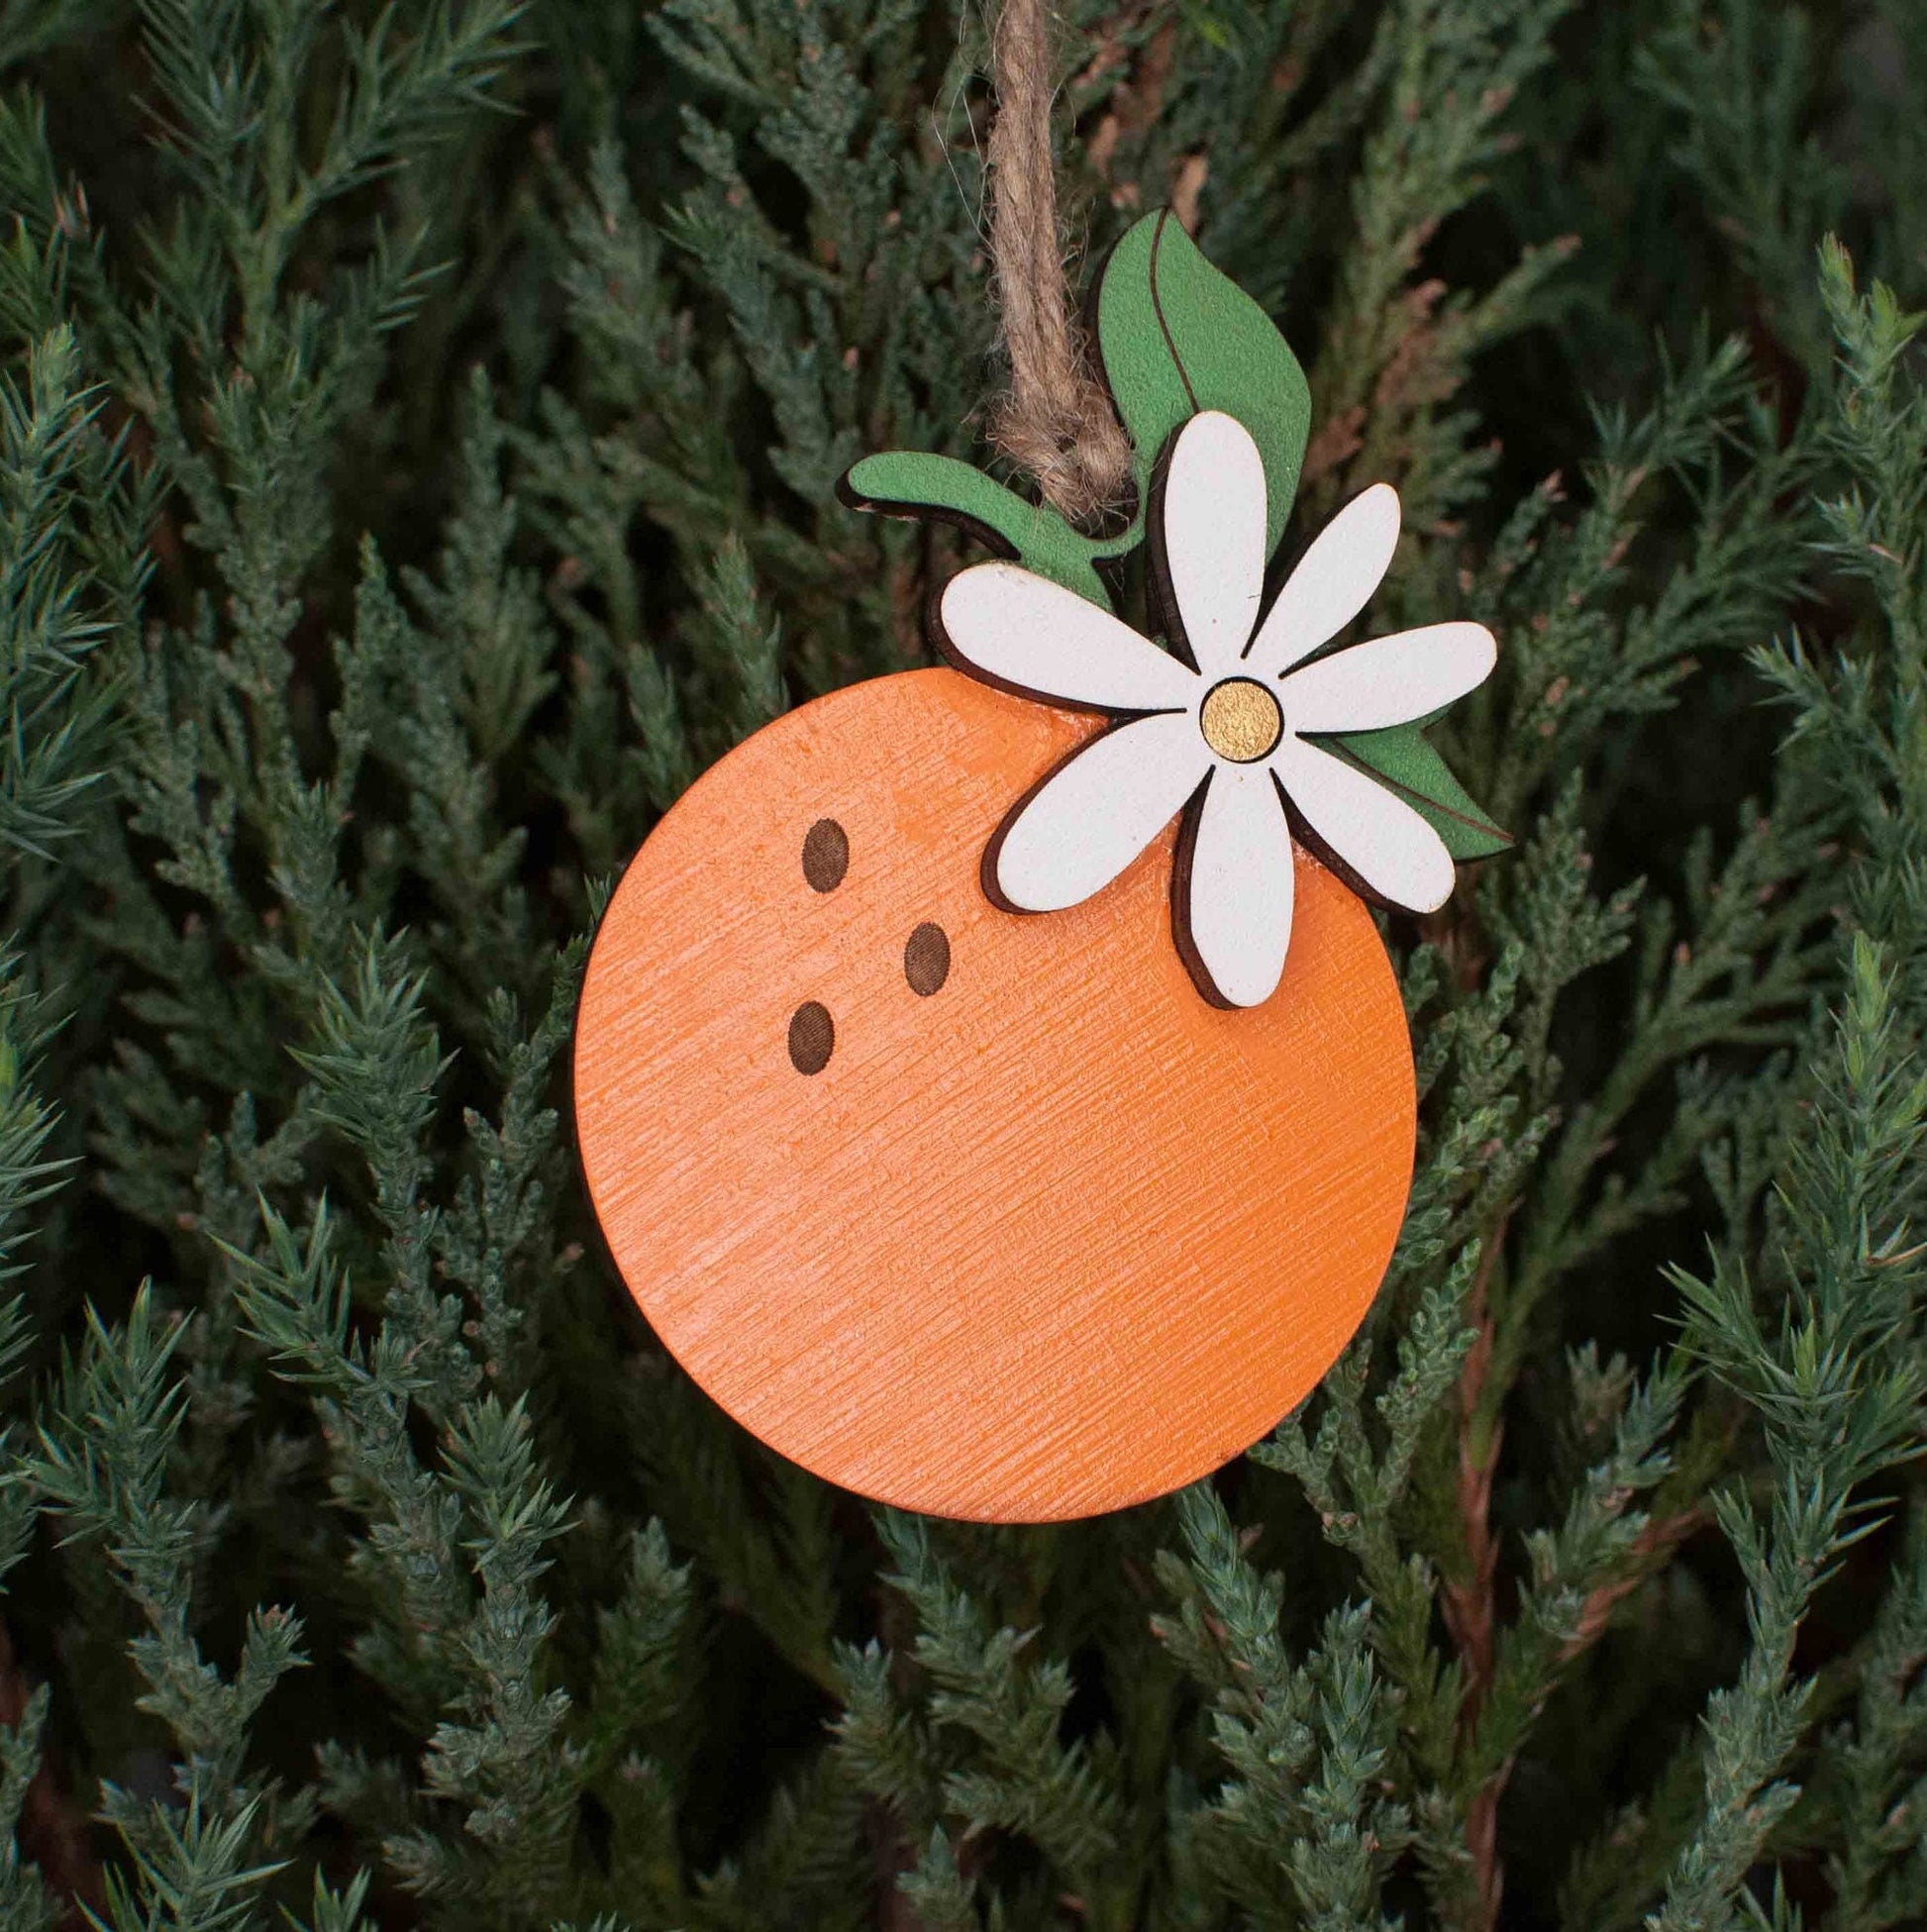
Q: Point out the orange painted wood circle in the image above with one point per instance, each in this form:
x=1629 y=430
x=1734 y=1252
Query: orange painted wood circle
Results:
x=1045 y=1238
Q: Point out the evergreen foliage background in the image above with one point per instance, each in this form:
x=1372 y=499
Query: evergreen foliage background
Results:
x=416 y=462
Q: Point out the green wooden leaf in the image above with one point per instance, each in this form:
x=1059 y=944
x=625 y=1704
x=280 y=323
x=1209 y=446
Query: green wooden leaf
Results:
x=1403 y=758
x=1177 y=337
x=913 y=484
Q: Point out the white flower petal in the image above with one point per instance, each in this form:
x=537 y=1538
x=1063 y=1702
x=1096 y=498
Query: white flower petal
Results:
x=1388 y=680
x=1333 y=582
x=1237 y=904
x=1213 y=536
x=1094 y=815
x=1368 y=826
x=1023 y=631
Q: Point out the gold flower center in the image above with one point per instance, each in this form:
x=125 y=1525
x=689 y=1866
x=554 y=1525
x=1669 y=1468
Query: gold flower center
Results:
x=1241 y=720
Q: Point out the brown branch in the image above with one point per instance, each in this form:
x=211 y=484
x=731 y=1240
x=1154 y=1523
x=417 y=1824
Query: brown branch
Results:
x=1469 y=1606
x=53 y=1833
x=1135 y=105
x=1469 y=1603
x=894 y=1855
x=1651 y=1549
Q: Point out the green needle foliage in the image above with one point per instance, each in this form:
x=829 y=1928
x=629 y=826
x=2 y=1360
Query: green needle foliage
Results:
x=419 y=430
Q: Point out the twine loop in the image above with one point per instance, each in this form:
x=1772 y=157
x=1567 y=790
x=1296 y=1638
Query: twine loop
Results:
x=1056 y=420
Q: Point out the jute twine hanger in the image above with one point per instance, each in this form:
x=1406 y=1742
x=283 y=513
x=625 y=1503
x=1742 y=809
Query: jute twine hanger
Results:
x=1056 y=420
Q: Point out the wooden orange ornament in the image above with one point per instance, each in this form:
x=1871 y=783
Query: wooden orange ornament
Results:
x=993 y=1089
x=975 y=1212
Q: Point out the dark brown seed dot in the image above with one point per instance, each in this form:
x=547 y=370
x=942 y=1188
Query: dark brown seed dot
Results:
x=812 y=1036
x=926 y=958
x=825 y=855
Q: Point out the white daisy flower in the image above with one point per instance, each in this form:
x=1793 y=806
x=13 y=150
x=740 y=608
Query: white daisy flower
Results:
x=1236 y=737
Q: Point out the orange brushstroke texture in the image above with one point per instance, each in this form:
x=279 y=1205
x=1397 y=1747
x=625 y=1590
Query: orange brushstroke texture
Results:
x=1058 y=1238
